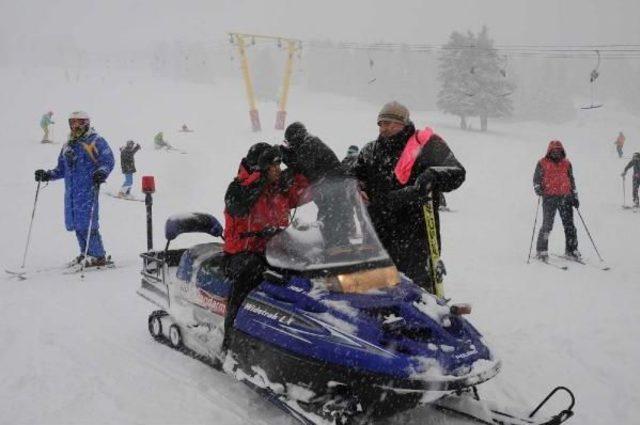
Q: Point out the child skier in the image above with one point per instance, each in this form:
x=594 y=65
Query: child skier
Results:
x=128 y=164
x=619 y=143
x=45 y=122
x=160 y=143
x=635 y=163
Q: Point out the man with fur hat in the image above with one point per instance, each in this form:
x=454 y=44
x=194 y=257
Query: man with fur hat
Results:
x=257 y=204
x=399 y=172
x=553 y=181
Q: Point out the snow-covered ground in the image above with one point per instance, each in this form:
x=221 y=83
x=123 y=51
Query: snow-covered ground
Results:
x=77 y=351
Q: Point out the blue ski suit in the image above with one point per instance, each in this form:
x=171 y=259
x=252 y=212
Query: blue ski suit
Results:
x=78 y=160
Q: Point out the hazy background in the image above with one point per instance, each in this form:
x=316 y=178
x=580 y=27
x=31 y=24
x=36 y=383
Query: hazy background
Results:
x=187 y=40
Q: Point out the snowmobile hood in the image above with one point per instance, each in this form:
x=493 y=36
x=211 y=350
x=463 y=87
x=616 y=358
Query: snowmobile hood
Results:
x=555 y=145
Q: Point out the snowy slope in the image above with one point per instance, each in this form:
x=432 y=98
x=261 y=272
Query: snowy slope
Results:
x=78 y=351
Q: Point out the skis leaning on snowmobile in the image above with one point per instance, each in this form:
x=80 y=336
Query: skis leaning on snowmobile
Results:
x=330 y=336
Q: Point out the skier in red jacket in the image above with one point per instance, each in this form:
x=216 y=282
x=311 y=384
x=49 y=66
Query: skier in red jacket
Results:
x=257 y=203
x=553 y=180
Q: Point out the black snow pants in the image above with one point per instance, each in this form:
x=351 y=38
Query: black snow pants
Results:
x=636 y=185
x=549 y=206
x=244 y=270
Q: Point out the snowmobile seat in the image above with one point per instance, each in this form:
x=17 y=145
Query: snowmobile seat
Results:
x=193 y=258
x=210 y=278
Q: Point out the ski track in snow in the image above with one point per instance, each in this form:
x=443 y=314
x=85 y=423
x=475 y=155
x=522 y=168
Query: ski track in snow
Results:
x=77 y=351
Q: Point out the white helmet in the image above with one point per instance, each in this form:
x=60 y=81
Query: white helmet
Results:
x=79 y=115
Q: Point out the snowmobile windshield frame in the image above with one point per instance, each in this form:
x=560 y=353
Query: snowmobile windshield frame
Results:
x=330 y=234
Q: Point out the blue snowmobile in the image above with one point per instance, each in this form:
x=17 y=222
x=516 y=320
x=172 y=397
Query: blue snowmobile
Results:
x=334 y=333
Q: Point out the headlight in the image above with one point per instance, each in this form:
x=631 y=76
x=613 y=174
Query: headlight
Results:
x=364 y=281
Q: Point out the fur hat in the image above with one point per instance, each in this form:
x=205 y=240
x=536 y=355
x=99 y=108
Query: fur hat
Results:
x=394 y=112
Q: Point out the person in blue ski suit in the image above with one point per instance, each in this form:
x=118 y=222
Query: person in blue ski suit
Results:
x=84 y=162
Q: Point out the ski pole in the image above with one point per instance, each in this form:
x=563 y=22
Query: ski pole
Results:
x=96 y=191
x=33 y=214
x=589 y=234
x=533 y=232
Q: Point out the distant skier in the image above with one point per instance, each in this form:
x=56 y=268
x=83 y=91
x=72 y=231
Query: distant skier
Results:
x=620 y=143
x=128 y=165
x=45 y=122
x=85 y=161
x=635 y=163
x=185 y=129
x=398 y=172
x=257 y=204
x=160 y=143
x=553 y=181
x=350 y=159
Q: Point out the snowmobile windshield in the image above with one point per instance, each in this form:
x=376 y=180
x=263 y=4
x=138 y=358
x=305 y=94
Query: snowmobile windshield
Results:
x=331 y=234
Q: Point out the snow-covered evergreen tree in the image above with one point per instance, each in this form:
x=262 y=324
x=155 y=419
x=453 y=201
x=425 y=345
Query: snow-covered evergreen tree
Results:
x=474 y=82
x=455 y=63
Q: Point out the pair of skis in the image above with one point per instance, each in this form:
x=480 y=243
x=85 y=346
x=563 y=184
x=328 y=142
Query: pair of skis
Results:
x=24 y=274
x=436 y=266
x=550 y=261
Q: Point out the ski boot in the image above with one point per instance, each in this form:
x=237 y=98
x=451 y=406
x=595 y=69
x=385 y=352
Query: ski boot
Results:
x=95 y=261
x=543 y=256
x=75 y=262
x=573 y=255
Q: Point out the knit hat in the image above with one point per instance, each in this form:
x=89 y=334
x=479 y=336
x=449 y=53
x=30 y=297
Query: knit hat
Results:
x=269 y=156
x=254 y=154
x=353 y=150
x=394 y=112
x=295 y=132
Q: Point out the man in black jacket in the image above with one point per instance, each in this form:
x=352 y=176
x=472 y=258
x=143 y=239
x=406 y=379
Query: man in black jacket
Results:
x=398 y=172
x=306 y=154
x=635 y=164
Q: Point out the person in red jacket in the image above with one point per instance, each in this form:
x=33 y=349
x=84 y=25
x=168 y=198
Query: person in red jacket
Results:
x=553 y=180
x=257 y=204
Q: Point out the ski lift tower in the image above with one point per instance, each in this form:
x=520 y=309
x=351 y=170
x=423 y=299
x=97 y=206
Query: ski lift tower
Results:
x=293 y=46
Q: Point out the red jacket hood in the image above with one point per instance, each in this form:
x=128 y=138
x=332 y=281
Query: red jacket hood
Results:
x=556 y=144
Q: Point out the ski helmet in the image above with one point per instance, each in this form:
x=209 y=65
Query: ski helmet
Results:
x=79 y=123
x=79 y=115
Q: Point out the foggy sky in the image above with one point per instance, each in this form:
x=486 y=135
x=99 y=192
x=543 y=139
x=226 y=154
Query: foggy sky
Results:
x=120 y=24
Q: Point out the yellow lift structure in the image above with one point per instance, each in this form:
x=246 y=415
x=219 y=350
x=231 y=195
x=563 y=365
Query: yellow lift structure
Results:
x=293 y=46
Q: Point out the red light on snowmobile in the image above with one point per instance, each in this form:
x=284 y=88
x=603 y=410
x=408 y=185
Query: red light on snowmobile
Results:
x=460 y=309
x=148 y=184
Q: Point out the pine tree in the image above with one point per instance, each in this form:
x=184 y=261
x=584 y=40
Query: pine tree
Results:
x=474 y=82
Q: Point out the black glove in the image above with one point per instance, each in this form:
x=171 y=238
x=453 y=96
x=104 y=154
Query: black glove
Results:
x=288 y=156
x=425 y=182
x=42 y=176
x=99 y=176
x=538 y=189
x=574 y=201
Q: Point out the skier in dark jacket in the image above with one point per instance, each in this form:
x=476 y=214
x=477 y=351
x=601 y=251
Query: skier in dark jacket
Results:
x=306 y=154
x=84 y=162
x=398 y=172
x=553 y=180
x=349 y=161
x=128 y=164
x=635 y=163
x=257 y=204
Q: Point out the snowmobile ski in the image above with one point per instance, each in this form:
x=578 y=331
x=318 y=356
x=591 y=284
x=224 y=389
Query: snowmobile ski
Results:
x=486 y=412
